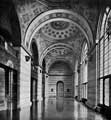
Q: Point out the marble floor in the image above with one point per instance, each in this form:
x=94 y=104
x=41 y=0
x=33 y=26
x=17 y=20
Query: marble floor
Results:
x=53 y=109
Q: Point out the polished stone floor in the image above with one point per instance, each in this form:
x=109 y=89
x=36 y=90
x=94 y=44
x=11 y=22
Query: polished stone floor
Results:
x=53 y=109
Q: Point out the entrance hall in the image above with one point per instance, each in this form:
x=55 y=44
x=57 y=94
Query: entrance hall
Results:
x=53 y=109
x=55 y=59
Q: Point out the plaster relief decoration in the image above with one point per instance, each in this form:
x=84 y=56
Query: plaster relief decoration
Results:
x=28 y=10
x=68 y=60
x=61 y=19
x=64 y=54
x=59 y=52
x=42 y=42
x=59 y=30
x=89 y=13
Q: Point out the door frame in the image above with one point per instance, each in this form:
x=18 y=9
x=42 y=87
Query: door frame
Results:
x=57 y=88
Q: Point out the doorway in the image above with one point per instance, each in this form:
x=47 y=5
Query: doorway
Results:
x=60 y=89
x=33 y=89
x=8 y=88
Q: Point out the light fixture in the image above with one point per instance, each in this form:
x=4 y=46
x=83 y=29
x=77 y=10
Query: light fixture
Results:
x=27 y=58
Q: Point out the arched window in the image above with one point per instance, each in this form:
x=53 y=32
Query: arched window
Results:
x=76 y=79
x=84 y=74
x=104 y=59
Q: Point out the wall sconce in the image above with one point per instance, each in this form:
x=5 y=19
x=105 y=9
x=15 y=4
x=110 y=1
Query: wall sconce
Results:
x=27 y=58
x=40 y=71
x=47 y=76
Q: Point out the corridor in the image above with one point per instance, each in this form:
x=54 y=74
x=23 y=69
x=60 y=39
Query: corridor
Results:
x=51 y=52
x=53 y=109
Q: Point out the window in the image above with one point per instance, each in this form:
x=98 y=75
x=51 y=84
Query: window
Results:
x=104 y=59
x=2 y=85
x=84 y=71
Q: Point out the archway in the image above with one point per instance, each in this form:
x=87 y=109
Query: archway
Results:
x=60 y=82
x=34 y=71
x=84 y=71
x=60 y=89
x=43 y=78
x=58 y=15
x=104 y=58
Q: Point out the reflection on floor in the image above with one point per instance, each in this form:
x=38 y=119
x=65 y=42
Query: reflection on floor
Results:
x=53 y=109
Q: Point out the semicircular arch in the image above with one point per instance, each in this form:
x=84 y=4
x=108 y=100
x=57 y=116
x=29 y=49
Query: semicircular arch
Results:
x=54 y=46
x=55 y=15
x=62 y=60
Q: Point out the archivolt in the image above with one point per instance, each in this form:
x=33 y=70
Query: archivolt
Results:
x=62 y=60
x=58 y=45
x=55 y=15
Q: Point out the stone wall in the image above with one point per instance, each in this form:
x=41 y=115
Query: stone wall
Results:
x=92 y=80
x=8 y=63
x=25 y=79
x=68 y=85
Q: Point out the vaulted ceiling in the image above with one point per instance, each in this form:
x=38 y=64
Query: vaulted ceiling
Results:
x=58 y=27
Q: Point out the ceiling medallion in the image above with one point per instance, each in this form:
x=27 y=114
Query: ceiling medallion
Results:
x=59 y=25
x=58 y=30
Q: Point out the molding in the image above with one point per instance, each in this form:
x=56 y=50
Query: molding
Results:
x=26 y=50
x=54 y=46
x=55 y=15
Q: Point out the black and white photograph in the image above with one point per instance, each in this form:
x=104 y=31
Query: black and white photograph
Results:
x=55 y=59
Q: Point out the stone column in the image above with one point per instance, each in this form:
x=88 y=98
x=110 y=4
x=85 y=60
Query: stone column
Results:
x=79 y=82
x=25 y=78
x=43 y=84
x=39 y=84
x=73 y=92
x=46 y=86
x=92 y=79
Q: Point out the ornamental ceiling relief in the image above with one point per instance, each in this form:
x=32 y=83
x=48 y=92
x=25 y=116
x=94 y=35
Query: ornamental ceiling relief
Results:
x=57 y=54
x=29 y=9
x=56 y=31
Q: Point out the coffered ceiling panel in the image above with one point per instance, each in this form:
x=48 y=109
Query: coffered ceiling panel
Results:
x=59 y=30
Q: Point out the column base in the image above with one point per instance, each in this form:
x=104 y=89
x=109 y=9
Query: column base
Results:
x=24 y=104
x=39 y=98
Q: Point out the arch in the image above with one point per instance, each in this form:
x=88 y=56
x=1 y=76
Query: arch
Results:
x=34 y=51
x=60 y=89
x=15 y=27
x=84 y=70
x=57 y=45
x=61 y=71
x=99 y=25
x=104 y=53
x=34 y=73
x=44 y=65
x=68 y=66
x=61 y=59
x=102 y=22
x=55 y=15
x=84 y=52
x=10 y=24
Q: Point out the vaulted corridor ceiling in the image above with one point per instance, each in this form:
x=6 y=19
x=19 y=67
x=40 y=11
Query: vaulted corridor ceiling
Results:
x=55 y=48
x=58 y=27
